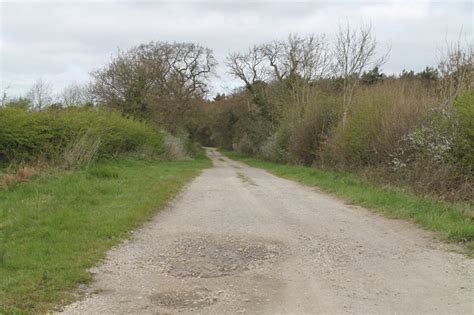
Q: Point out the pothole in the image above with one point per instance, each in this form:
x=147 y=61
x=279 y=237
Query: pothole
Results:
x=192 y=299
x=209 y=258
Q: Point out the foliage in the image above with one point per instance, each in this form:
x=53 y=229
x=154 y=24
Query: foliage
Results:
x=175 y=148
x=463 y=148
x=373 y=76
x=414 y=129
x=19 y=103
x=275 y=147
x=29 y=136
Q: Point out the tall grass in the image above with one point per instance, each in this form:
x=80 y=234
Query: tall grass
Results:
x=381 y=115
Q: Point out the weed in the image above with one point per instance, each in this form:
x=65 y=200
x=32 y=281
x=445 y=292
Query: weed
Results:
x=23 y=174
x=245 y=178
x=81 y=151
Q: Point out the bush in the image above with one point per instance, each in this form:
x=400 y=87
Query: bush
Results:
x=310 y=132
x=399 y=131
x=381 y=116
x=404 y=131
x=175 y=148
x=275 y=148
x=30 y=136
x=463 y=149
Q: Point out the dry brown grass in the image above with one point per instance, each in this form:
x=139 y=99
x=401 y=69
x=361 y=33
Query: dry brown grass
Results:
x=22 y=174
x=81 y=152
x=175 y=148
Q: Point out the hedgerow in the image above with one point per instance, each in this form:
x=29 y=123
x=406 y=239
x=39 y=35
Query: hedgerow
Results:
x=29 y=136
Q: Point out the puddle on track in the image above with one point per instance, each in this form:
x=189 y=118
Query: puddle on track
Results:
x=205 y=257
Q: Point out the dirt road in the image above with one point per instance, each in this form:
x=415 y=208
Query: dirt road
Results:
x=239 y=240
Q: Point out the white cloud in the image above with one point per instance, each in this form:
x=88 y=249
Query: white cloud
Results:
x=398 y=10
x=63 y=41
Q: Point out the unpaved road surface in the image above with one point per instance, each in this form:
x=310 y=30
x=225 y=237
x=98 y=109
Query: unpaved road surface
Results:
x=239 y=240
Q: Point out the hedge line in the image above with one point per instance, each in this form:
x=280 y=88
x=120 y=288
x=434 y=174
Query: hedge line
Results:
x=29 y=136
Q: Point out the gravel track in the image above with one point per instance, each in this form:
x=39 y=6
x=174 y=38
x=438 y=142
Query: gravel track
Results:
x=240 y=240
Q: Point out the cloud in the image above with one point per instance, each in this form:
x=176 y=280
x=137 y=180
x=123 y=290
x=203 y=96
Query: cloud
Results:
x=63 y=41
x=396 y=10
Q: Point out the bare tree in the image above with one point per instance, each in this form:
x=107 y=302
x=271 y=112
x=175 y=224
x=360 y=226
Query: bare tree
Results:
x=248 y=67
x=4 y=98
x=71 y=95
x=187 y=69
x=306 y=57
x=77 y=94
x=296 y=58
x=455 y=67
x=40 y=95
x=296 y=62
x=355 y=50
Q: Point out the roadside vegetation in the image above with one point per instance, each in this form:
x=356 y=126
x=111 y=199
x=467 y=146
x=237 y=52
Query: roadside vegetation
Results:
x=324 y=101
x=55 y=135
x=81 y=169
x=451 y=221
x=55 y=227
x=74 y=182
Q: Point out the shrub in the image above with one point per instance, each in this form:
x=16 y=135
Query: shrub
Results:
x=381 y=116
x=404 y=129
x=275 y=148
x=309 y=132
x=175 y=148
x=244 y=145
x=463 y=148
x=30 y=136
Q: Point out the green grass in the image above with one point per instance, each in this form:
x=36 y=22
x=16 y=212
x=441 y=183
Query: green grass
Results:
x=452 y=222
x=53 y=228
x=244 y=178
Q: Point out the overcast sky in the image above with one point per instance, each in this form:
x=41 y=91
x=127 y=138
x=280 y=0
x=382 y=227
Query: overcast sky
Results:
x=62 y=41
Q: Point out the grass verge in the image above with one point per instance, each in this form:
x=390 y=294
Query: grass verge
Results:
x=452 y=222
x=53 y=228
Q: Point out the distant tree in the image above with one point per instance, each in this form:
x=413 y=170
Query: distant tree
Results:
x=430 y=74
x=298 y=58
x=373 y=76
x=56 y=106
x=249 y=67
x=219 y=97
x=291 y=60
x=77 y=95
x=4 y=98
x=405 y=74
x=40 y=95
x=20 y=103
x=292 y=67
